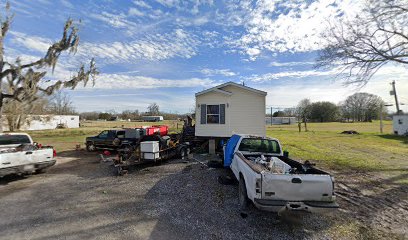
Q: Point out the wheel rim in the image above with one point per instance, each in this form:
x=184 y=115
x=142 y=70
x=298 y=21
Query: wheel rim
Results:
x=91 y=147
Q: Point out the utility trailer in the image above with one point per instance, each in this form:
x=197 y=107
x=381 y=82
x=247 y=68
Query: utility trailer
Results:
x=153 y=149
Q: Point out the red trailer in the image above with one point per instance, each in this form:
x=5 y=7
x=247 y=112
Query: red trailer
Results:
x=161 y=129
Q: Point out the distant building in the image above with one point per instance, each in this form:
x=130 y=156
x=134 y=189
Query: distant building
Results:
x=280 y=120
x=152 y=118
x=44 y=122
x=400 y=124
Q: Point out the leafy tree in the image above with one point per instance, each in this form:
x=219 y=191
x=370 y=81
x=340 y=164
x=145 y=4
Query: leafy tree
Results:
x=324 y=112
x=362 y=107
x=153 y=109
x=26 y=82
x=105 y=116
x=303 y=110
x=279 y=114
x=377 y=36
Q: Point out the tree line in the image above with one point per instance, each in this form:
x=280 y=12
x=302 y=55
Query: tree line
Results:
x=133 y=115
x=359 y=107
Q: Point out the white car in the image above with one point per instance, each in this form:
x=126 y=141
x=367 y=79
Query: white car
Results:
x=20 y=155
x=274 y=182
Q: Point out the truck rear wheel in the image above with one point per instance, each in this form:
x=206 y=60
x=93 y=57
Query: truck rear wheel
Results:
x=243 y=196
x=90 y=147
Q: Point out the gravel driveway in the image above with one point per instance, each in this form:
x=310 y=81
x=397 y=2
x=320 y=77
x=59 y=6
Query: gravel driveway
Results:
x=81 y=198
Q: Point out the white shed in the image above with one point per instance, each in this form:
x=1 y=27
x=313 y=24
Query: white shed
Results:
x=230 y=108
x=400 y=124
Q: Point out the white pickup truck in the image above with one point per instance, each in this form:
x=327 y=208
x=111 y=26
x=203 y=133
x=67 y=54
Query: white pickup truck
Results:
x=274 y=182
x=20 y=155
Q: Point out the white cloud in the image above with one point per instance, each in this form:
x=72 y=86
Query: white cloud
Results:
x=289 y=64
x=213 y=72
x=67 y=4
x=31 y=42
x=279 y=26
x=152 y=47
x=141 y=4
x=135 y=12
x=290 y=74
x=123 y=81
x=114 y=20
x=178 y=43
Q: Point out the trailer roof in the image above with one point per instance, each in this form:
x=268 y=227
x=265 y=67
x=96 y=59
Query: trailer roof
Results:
x=217 y=89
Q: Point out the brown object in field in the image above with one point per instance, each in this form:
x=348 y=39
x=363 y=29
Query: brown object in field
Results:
x=350 y=132
x=78 y=147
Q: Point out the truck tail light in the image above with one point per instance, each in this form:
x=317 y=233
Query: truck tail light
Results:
x=332 y=179
x=54 y=153
x=258 y=185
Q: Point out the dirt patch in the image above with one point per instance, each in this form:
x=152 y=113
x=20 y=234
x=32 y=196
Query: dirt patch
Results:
x=376 y=202
x=82 y=198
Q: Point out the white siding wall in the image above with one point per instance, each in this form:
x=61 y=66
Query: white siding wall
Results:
x=244 y=114
x=400 y=124
x=43 y=122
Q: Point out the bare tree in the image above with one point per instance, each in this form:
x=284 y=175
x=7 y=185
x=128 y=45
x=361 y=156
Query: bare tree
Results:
x=362 y=107
x=153 y=109
x=25 y=82
x=303 y=110
x=60 y=103
x=377 y=36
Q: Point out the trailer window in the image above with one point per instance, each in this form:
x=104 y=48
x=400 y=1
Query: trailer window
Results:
x=259 y=145
x=213 y=114
x=13 y=139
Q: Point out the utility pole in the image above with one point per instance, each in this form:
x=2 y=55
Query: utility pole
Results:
x=271 y=116
x=394 y=92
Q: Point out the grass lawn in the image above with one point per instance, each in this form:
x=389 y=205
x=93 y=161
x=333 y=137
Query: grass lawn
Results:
x=323 y=143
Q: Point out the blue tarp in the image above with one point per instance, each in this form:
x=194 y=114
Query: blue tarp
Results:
x=229 y=150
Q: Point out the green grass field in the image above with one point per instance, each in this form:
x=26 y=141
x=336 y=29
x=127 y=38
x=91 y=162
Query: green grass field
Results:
x=323 y=143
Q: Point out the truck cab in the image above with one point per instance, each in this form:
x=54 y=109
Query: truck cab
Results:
x=274 y=182
x=113 y=139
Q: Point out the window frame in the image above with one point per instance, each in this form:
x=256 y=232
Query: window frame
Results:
x=213 y=114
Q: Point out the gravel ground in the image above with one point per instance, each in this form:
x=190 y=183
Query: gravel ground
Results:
x=81 y=198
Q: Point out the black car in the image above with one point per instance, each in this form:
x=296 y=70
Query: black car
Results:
x=114 y=139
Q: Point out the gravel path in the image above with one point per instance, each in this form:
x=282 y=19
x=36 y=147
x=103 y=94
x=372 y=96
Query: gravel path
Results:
x=81 y=198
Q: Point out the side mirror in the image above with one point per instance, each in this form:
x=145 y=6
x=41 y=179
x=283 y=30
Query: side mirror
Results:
x=286 y=154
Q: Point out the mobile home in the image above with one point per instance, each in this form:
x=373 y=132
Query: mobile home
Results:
x=230 y=108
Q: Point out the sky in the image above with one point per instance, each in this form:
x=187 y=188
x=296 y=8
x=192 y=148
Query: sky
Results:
x=166 y=51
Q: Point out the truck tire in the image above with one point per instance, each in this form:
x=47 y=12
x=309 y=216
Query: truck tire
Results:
x=184 y=151
x=90 y=147
x=243 y=196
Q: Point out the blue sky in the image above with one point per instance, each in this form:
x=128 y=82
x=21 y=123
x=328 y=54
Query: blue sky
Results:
x=165 y=51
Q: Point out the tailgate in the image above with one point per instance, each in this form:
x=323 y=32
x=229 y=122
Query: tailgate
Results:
x=42 y=155
x=297 y=187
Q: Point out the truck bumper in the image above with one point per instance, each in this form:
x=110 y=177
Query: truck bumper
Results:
x=26 y=169
x=306 y=206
